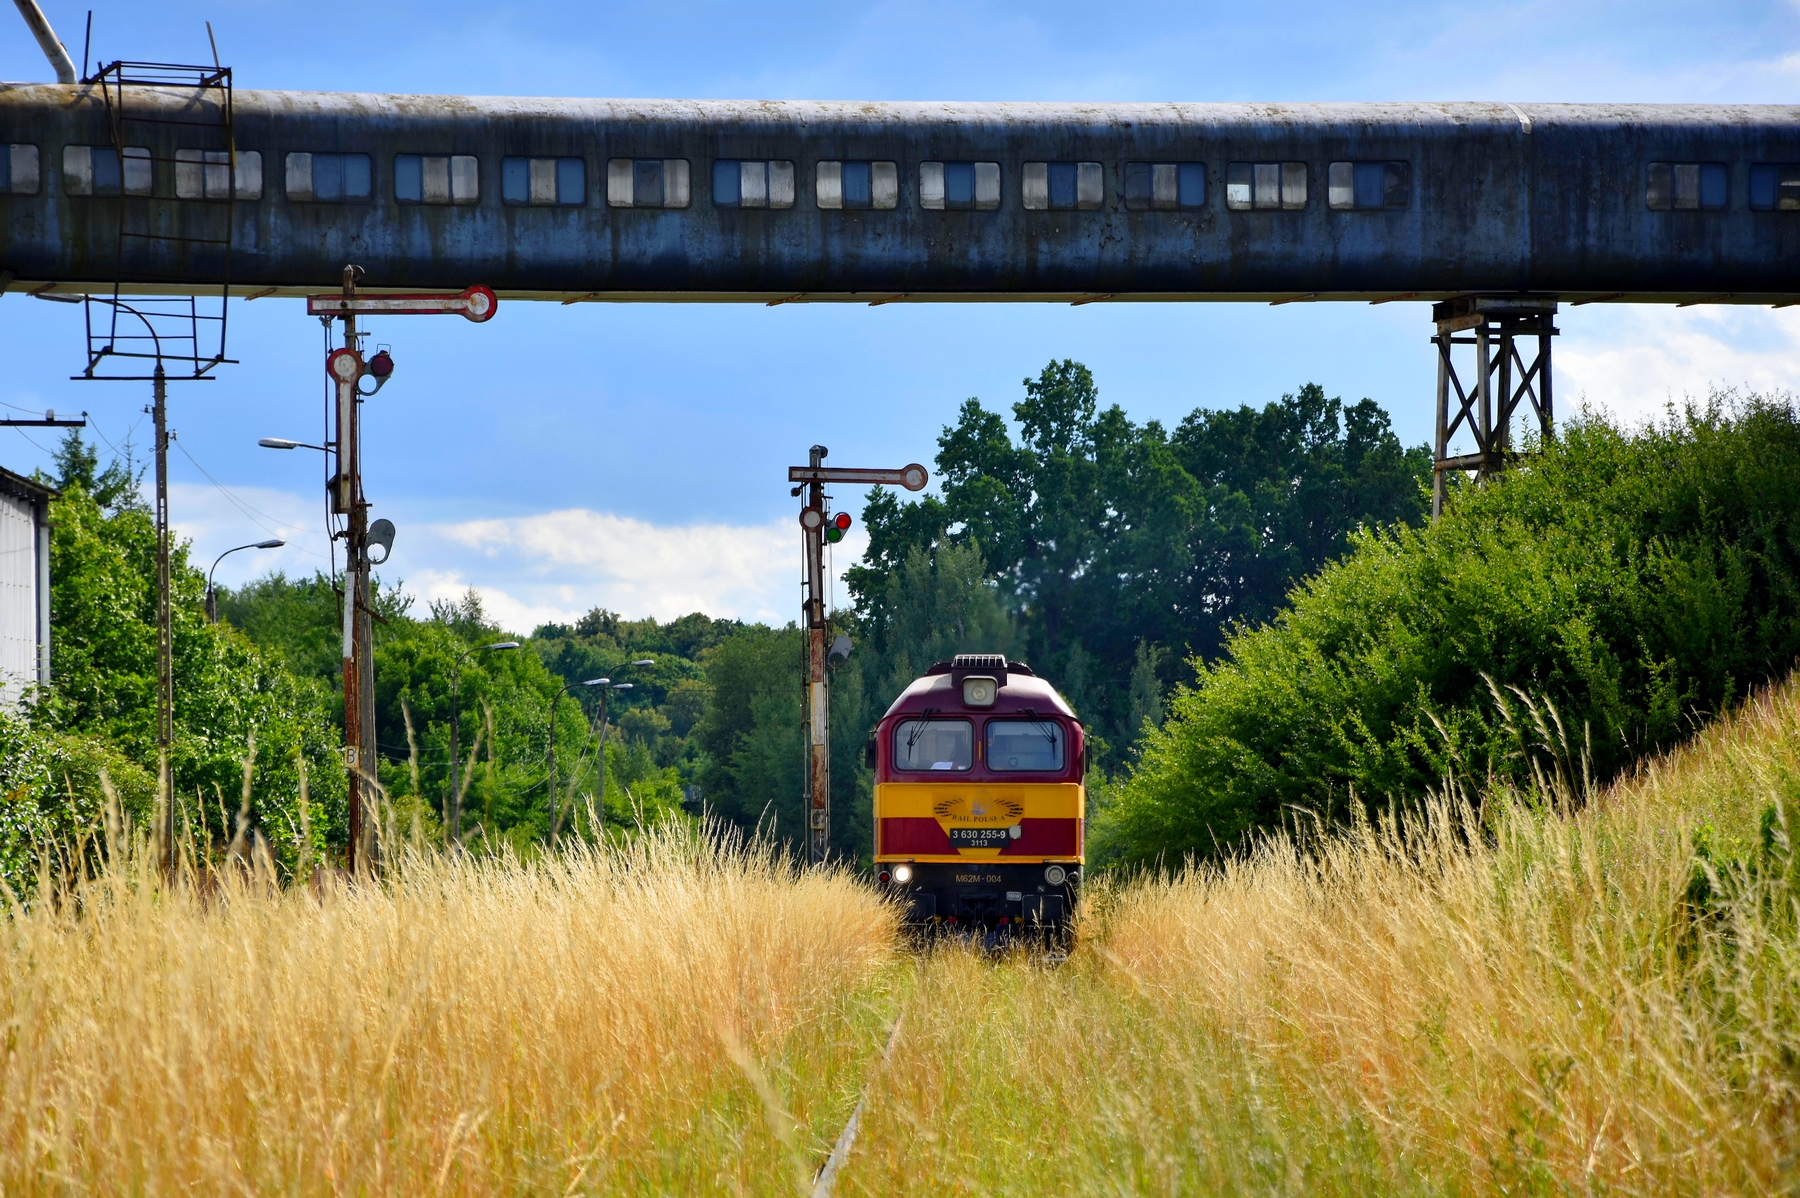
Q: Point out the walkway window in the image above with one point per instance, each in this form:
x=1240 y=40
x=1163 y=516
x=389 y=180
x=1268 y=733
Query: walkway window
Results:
x=959 y=185
x=1687 y=186
x=19 y=170
x=206 y=175
x=1265 y=185
x=330 y=178
x=647 y=182
x=1061 y=186
x=1165 y=186
x=857 y=184
x=542 y=182
x=1369 y=186
x=1774 y=187
x=436 y=179
x=98 y=171
x=741 y=183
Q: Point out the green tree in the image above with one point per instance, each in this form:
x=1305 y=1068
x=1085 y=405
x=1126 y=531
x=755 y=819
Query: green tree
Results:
x=1635 y=581
x=1109 y=536
x=227 y=692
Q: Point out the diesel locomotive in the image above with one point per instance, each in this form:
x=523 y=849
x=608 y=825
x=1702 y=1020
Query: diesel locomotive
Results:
x=979 y=798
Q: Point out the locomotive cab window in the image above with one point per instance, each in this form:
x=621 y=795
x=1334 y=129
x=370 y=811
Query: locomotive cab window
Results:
x=1775 y=187
x=1265 y=185
x=1368 y=186
x=934 y=745
x=1024 y=745
x=1686 y=186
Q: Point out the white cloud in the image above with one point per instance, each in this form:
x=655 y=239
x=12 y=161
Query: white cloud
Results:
x=1634 y=361
x=548 y=566
x=215 y=522
x=557 y=565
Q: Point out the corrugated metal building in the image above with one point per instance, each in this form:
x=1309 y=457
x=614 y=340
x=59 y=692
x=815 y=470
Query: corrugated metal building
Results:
x=24 y=585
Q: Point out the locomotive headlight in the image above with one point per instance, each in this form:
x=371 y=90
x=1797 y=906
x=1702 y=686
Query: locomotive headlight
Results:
x=903 y=874
x=1056 y=875
x=979 y=692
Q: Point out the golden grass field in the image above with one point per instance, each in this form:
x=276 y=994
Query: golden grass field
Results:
x=1541 y=1003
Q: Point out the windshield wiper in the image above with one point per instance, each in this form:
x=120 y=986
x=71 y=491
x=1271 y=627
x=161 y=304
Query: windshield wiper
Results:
x=919 y=728
x=1044 y=727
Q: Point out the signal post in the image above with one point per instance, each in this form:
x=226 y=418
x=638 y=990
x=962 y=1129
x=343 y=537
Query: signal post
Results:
x=347 y=369
x=817 y=530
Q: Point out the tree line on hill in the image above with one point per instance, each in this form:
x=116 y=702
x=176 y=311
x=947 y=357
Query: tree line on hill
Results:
x=1249 y=612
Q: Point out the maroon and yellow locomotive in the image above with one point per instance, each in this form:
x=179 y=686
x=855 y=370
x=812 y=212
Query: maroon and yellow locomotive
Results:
x=979 y=798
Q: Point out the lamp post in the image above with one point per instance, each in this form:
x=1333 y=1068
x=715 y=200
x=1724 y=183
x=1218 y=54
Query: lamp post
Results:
x=455 y=804
x=603 y=685
x=212 y=596
x=562 y=689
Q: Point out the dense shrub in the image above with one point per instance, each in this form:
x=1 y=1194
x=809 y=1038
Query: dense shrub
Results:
x=1637 y=580
x=52 y=797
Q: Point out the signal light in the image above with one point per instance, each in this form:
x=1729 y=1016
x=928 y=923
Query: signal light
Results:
x=839 y=525
x=381 y=365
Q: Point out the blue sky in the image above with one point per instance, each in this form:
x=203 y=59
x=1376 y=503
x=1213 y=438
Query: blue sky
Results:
x=633 y=456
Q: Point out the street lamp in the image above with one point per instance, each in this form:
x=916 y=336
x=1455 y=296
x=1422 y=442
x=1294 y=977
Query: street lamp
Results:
x=562 y=689
x=212 y=596
x=455 y=812
x=284 y=443
x=603 y=685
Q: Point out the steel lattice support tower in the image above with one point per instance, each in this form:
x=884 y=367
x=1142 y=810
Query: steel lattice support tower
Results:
x=1503 y=380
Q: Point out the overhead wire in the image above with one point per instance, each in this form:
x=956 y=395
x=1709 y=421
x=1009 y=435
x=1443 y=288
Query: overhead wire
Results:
x=244 y=507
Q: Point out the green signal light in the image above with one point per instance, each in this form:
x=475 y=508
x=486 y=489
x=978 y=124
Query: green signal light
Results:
x=834 y=534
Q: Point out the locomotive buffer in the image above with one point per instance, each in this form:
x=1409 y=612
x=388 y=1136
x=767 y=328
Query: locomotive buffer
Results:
x=817 y=531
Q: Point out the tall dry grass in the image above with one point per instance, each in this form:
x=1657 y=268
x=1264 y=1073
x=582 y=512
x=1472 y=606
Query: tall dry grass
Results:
x=672 y=1016
x=1536 y=1002
x=1547 y=999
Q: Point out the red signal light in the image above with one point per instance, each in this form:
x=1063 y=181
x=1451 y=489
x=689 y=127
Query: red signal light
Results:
x=842 y=521
x=381 y=365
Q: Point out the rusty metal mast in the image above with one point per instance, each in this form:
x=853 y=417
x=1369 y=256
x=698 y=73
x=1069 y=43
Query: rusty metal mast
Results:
x=346 y=368
x=814 y=534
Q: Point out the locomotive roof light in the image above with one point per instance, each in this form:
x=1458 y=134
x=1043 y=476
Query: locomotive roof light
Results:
x=1056 y=875
x=980 y=691
x=903 y=874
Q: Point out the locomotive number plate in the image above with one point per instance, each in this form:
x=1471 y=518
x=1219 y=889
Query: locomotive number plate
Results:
x=978 y=838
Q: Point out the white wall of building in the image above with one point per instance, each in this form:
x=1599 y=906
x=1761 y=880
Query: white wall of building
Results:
x=24 y=587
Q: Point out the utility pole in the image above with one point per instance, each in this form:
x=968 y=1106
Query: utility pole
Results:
x=816 y=532
x=165 y=640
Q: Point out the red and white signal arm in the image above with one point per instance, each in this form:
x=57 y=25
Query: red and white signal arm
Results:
x=475 y=303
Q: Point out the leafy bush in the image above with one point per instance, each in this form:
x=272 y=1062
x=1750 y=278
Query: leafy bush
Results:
x=51 y=795
x=1638 y=580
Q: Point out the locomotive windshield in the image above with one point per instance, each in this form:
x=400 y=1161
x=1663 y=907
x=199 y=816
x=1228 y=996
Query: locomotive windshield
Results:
x=1024 y=745
x=934 y=745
